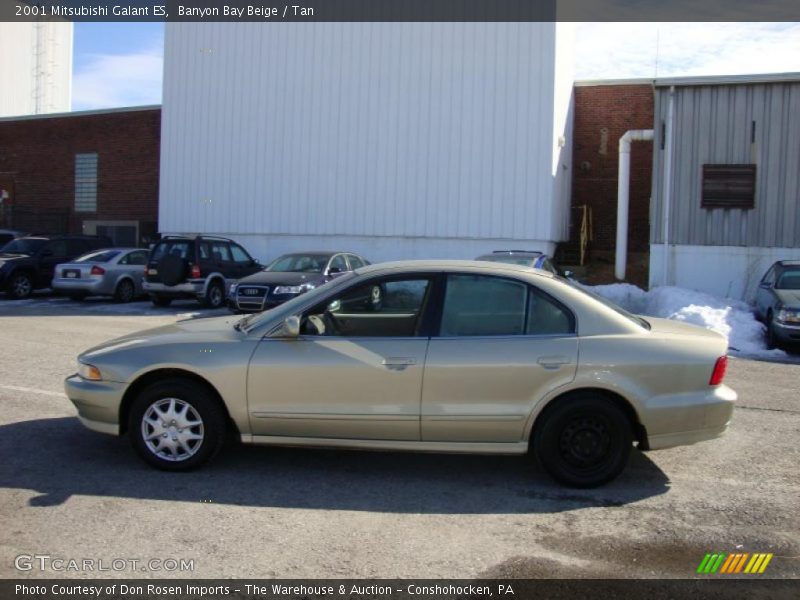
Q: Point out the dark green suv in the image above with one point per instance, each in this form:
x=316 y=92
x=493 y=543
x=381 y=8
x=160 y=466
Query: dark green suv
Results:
x=199 y=267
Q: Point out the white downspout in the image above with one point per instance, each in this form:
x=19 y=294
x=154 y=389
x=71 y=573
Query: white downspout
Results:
x=623 y=195
x=668 y=181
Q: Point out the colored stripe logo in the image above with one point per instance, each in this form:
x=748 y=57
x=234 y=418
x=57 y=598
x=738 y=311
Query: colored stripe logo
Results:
x=732 y=563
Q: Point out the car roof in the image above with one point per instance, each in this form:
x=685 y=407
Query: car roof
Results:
x=789 y=263
x=453 y=266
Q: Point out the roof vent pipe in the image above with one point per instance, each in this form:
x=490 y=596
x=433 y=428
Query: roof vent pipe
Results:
x=623 y=195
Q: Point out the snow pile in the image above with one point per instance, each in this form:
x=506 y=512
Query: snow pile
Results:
x=731 y=318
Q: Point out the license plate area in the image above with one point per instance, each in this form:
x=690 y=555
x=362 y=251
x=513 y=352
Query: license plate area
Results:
x=71 y=273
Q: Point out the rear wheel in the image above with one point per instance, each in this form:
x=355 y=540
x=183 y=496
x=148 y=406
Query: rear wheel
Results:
x=161 y=300
x=125 y=291
x=583 y=441
x=176 y=425
x=20 y=286
x=215 y=295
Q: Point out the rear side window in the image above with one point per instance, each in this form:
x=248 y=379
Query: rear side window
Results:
x=480 y=305
x=138 y=257
x=175 y=248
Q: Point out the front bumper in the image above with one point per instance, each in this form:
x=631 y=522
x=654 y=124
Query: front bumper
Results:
x=98 y=402
x=786 y=332
x=189 y=289
x=683 y=419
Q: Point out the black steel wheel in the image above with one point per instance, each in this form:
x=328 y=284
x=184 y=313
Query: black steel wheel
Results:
x=583 y=440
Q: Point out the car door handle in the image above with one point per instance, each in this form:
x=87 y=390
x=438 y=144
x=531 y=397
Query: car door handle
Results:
x=398 y=362
x=553 y=362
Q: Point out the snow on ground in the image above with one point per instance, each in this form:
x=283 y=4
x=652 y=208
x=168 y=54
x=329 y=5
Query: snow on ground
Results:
x=731 y=318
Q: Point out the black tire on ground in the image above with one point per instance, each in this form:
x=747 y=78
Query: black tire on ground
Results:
x=160 y=300
x=583 y=440
x=215 y=295
x=193 y=403
x=771 y=339
x=172 y=270
x=77 y=296
x=20 y=286
x=125 y=291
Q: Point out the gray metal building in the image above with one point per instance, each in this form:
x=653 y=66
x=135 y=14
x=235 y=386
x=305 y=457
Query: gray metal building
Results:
x=727 y=195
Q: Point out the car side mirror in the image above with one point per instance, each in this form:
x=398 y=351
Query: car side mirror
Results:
x=334 y=270
x=290 y=328
x=569 y=274
x=765 y=285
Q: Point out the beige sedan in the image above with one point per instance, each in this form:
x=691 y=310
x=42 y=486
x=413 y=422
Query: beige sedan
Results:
x=439 y=356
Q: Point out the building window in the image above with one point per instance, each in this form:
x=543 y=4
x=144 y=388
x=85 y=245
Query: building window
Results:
x=86 y=182
x=729 y=186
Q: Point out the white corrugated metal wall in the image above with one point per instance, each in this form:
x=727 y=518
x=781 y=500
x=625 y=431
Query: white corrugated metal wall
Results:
x=36 y=68
x=393 y=139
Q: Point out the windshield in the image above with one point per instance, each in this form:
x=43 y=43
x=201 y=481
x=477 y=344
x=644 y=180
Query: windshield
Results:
x=615 y=307
x=300 y=263
x=789 y=280
x=23 y=246
x=288 y=308
x=510 y=260
x=101 y=256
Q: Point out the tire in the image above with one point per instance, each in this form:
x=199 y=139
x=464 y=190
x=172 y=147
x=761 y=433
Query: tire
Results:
x=125 y=291
x=215 y=295
x=188 y=410
x=771 y=339
x=172 y=270
x=162 y=301
x=583 y=441
x=20 y=286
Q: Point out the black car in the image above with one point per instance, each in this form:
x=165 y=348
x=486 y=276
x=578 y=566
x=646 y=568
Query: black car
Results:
x=7 y=235
x=200 y=267
x=289 y=276
x=28 y=263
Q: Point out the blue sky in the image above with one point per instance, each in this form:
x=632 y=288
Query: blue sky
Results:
x=120 y=64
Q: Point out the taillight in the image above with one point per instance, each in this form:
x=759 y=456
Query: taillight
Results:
x=196 y=272
x=98 y=270
x=719 y=371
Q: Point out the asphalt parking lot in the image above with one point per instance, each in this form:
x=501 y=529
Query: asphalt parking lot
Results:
x=269 y=512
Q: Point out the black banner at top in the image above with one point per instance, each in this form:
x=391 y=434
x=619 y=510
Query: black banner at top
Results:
x=271 y=11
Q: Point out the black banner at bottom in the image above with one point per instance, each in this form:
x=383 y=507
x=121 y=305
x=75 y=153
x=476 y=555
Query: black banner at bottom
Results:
x=393 y=589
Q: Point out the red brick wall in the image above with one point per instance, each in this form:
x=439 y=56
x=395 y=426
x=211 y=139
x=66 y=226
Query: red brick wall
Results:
x=37 y=163
x=606 y=112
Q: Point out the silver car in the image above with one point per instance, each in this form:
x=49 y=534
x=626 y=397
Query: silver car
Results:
x=116 y=272
x=448 y=356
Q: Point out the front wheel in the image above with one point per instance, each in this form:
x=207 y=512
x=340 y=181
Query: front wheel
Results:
x=215 y=295
x=20 y=286
x=771 y=338
x=176 y=425
x=583 y=441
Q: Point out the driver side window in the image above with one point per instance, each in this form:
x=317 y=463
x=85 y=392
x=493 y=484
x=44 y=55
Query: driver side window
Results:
x=380 y=308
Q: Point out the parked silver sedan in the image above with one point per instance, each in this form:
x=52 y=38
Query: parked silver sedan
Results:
x=116 y=272
x=455 y=356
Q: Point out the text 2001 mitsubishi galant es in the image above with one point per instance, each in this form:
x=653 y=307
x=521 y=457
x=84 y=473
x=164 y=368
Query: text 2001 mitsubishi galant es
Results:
x=446 y=356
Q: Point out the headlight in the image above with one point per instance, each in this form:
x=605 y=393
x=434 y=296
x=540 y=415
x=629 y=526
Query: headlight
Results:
x=89 y=372
x=293 y=289
x=788 y=315
x=232 y=289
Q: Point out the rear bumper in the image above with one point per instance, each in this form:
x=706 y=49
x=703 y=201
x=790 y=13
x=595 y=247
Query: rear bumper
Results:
x=189 y=289
x=97 y=402
x=91 y=286
x=684 y=419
